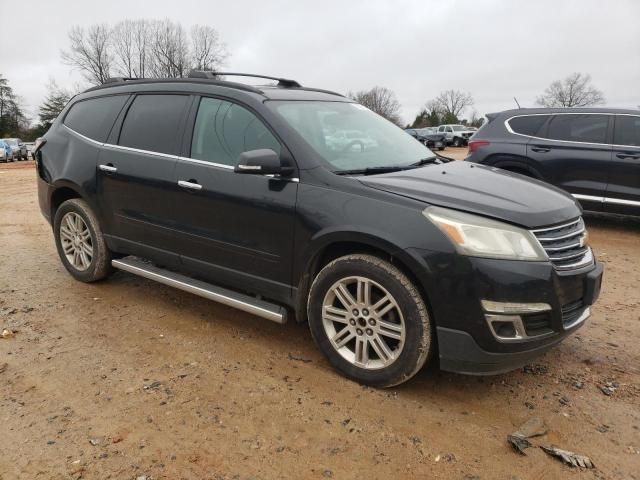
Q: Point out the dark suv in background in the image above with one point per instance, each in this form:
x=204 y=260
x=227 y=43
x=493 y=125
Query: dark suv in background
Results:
x=241 y=195
x=594 y=154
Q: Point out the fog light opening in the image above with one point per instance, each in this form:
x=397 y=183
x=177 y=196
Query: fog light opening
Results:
x=506 y=328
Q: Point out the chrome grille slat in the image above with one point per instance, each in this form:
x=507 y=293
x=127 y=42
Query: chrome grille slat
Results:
x=560 y=244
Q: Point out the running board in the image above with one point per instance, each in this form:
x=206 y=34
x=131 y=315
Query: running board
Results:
x=246 y=303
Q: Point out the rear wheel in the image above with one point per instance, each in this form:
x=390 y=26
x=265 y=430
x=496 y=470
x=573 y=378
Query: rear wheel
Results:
x=80 y=242
x=369 y=320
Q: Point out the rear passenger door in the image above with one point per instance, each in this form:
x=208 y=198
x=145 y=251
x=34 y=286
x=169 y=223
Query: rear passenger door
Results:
x=623 y=189
x=136 y=176
x=235 y=229
x=574 y=152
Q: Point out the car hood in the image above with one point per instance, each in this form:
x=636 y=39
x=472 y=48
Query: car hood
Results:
x=487 y=191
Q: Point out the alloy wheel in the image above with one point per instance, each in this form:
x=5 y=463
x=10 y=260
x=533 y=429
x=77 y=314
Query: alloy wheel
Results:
x=363 y=322
x=75 y=238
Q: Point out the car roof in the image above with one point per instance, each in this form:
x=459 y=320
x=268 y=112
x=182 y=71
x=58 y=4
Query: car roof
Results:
x=271 y=92
x=534 y=111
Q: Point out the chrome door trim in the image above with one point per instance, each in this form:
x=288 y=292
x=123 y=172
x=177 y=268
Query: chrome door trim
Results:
x=622 y=201
x=90 y=140
x=616 y=201
x=165 y=155
x=590 y=198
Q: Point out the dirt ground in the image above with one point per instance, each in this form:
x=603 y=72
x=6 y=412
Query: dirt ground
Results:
x=129 y=379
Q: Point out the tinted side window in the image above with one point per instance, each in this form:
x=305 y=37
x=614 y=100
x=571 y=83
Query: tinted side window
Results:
x=579 y=128
x=224 y=130
x=154 y=122
x=94 y=118
x=528 y=125
x=627 y=130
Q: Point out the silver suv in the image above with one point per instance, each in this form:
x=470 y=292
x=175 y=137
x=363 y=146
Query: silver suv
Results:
x=457 y=135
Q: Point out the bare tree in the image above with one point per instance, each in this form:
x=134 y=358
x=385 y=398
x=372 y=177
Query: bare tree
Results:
x=574 y=91
x=380 y=100
x=131 y=41
x=170 y=50
x=207 y=51
x=451 y=103
x=89 y=52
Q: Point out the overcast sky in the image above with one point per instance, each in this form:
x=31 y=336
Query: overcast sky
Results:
x=493 y=49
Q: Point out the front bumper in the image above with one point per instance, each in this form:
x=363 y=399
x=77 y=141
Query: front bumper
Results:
x=455 y=286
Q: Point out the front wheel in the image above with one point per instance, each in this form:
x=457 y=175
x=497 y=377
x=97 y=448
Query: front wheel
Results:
x=80 y=243
x=370 y=321
x=457 y=142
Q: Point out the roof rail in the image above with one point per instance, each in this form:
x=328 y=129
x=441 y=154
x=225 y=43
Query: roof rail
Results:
x=282 y=82
x=118 y=79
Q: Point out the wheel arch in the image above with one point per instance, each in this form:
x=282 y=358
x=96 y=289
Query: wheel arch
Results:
x=516 y=164
x=336 y=245
x=62 y=191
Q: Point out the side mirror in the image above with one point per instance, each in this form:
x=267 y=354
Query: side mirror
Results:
x=261 y=162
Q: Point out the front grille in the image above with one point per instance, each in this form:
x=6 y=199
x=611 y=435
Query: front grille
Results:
x=565 y=245
x=571 y=312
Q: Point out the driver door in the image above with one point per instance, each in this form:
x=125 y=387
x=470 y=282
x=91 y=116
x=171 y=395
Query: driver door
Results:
x=234 y=229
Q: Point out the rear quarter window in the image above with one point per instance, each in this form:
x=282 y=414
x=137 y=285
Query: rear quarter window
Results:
x=94 y=117
x=528 y=125
x=627 y=130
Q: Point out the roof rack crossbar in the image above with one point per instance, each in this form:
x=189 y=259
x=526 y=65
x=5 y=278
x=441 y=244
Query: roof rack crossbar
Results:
x=282 y=82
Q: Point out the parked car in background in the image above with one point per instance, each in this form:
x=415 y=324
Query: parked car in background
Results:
x=6 y=153
x=18 y=148
x=30 y=146
x=594 y=154
x=392 y=255
x=457 y=135
x=348 y=140
x=428 y=136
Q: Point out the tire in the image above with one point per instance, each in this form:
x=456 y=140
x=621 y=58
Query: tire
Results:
x=402 y=322
x=88 y=267
x=457 y=142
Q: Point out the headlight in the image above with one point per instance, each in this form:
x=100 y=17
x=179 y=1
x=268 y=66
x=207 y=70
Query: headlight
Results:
x=478 y=236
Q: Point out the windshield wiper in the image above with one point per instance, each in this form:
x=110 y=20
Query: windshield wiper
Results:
x=425 y=161
x=390 y=168
x=371 y=170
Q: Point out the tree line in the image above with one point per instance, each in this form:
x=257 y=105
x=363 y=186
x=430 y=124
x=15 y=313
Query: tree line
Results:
x=165 y=49
x=576 y=90
x=13 y=120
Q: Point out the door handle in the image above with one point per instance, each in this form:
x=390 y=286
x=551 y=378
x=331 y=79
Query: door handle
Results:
x=540 y=149
x=191 y=184
x=109 y=168
x=627 y=155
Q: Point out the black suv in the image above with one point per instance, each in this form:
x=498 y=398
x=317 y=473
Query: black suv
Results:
x=594 y=154
x=249 y=196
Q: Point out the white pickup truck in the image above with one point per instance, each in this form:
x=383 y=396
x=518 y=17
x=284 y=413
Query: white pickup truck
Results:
x=457 y=135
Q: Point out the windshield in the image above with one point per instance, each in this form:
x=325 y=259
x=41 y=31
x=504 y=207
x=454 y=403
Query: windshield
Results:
x=349 y=136
x=458 y=128
x=11 y=141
